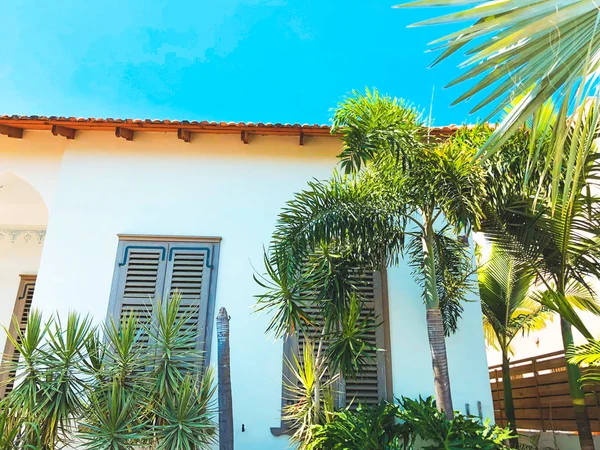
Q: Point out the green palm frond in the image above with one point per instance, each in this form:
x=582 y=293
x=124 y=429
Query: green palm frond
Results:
x=520 y=48
x=349 y=348
x=454 y=271
x=506 y=287
x=372 y=124
x=587 y=356
x=555 y=234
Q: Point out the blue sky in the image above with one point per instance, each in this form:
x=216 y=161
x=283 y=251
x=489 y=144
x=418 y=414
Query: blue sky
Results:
x=251 y=60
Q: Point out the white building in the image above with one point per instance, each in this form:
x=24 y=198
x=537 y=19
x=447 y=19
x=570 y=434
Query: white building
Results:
x=82 y=200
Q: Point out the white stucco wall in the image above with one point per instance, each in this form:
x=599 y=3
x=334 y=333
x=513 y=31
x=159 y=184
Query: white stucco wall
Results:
x=28 y=175
x=217 y=186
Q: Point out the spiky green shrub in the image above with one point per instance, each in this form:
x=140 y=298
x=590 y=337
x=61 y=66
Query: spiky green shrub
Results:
x=123 y=386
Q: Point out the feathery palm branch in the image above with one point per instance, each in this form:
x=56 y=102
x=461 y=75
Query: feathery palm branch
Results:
x=588 y=356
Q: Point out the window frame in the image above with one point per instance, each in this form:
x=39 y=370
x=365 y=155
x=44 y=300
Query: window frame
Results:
x=205 y=319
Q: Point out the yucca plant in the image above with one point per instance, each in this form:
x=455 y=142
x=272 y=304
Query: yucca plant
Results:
x=15 y=432
x=49 y=390
x=151 y=388
x=310 y=395
x=186 y=418
x=113 y=419
x=64 y=382
x=136 y=386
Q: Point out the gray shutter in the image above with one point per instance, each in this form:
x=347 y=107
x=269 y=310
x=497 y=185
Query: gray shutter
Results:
x=189 y=267
x=140 y=277
x=369 y=387
x=21 y=312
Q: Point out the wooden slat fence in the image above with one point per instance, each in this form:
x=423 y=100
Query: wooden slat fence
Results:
x=541 y=395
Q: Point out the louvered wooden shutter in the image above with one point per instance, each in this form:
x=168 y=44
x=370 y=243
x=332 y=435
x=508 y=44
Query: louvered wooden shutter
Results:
x=140 y=282
x=189 y=269
x=21 y=313
x=149 y=270
x=369 y=387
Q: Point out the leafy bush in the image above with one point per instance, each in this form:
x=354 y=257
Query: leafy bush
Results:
x=431 y=425
x=397 y=427
x=367 y=428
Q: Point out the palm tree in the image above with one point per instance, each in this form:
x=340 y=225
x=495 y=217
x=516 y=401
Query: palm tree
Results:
x=527 y=49
x=401 y=185
x=556 y=234
x=508 y=309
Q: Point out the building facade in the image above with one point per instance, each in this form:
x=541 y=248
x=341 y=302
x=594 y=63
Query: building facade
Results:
x=83 y=201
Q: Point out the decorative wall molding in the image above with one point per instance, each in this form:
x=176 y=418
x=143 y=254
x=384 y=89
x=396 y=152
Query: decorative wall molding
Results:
x=23 y=235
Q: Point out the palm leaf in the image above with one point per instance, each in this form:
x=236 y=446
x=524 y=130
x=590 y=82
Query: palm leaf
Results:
x=530 y=49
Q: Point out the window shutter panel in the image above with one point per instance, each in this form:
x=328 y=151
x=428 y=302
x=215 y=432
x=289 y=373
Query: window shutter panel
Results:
x=189 y=268
x=369 y=387
x=21 y=313
x=141 y=276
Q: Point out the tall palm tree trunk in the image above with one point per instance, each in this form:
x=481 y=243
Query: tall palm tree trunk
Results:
x=435 y=327
x=584 y=430
x=224 y=374
x=509 y=406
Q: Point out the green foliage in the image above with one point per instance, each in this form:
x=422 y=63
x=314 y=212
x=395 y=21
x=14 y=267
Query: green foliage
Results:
x=506 y=287
x=371 y=124
x=588 y=357
x=15 y=432
x=118 y=391
x=527 y=49
x=401 y=182
x=367 y=428
x=398 y=427
x=454 y=269
x=186 y=416
x=310 y=395
x=554 y=233
x=113 y=420
x=348 y=347
x=430 y=425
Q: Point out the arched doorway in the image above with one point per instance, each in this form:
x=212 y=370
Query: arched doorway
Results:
x=23 y=220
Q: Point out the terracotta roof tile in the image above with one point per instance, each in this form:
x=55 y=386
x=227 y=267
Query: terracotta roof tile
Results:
x=104 y=124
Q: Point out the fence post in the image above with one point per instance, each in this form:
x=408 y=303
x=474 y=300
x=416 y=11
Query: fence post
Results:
x=224 y=379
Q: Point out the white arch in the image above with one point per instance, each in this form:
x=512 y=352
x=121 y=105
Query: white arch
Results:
x=21 y=205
